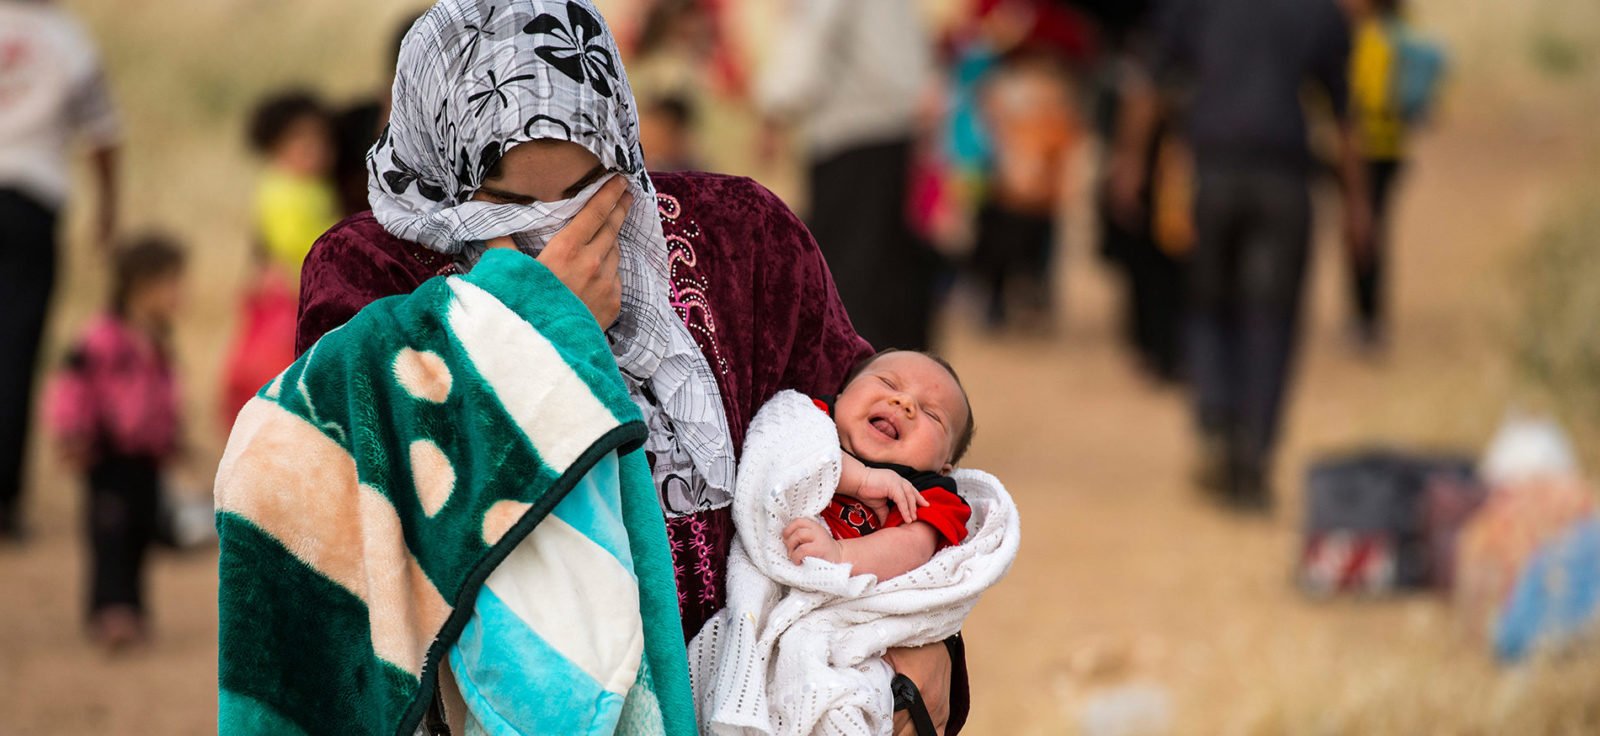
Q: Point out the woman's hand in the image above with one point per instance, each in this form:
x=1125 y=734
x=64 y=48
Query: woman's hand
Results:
x=584 y=255
x=929 y=667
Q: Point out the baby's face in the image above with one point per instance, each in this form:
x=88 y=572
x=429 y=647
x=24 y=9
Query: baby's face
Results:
x=905 y=409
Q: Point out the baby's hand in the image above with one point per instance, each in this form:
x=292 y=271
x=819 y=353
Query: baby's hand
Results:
x=882 y=487
x=806 y=538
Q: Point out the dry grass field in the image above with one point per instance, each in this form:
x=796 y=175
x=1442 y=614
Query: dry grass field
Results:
x=1125 y=579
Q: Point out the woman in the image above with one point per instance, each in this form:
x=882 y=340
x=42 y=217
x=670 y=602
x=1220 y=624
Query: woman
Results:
x=715 y=295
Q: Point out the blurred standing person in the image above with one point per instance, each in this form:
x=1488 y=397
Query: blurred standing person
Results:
x=52 y=89
x=1394 y=77
x=1150 y=237
x=672 y=62
x=1012 y=121
x=1027 y=104
x=666 y=132
x=853 y=76
x=295 y=203
x=355 y=129
x=114 y=411
x=1245 y=63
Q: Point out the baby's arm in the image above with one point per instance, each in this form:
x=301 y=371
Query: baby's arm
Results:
x=877 y=488
x=885 y=553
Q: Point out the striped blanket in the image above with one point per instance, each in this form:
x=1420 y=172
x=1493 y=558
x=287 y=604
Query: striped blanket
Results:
x=454 y=475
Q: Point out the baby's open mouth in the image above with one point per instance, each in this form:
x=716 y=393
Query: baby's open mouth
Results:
x=885 y=427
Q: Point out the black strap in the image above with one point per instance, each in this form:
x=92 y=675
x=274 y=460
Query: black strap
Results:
x=909 y=699
x=434 y=723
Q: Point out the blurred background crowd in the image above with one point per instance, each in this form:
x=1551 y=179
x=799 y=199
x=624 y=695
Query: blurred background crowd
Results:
x=1281 y=314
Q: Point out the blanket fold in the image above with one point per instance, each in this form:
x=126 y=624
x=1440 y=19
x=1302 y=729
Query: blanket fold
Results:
x=798 y=650
x=368 y=492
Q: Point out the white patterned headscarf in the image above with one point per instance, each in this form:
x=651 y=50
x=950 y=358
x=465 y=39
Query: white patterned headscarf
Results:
x=474 y=79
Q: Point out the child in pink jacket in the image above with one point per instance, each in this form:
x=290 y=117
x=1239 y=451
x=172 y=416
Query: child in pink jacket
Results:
x=113 y=409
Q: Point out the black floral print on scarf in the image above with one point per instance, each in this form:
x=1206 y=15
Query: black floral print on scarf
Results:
x=581 y=53
x=402 y=177
x=476 y=32
x=493 y=89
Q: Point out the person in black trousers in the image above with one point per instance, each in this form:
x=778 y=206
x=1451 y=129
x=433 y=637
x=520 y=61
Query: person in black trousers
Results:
x=1155 y=267
x=53 y=89
x=883 y=270
x=850 y=79
x=27 y=274
x=1244 y=65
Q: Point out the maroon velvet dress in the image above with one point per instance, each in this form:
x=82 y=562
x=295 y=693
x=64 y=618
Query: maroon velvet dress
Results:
x=748 y=281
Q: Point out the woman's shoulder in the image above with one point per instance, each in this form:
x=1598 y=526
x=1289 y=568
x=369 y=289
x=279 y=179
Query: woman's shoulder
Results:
x=359 y=238
x=735 y=211
x=705 y=185
x=353 y=264
x=358 y=232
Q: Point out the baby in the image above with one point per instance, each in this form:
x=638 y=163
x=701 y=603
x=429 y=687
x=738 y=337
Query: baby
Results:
x=802 y=649
x=904 y=421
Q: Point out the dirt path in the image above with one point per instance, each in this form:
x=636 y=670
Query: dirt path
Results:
x=1124 y=575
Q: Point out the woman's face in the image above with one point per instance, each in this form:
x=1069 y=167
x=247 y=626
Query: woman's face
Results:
x=542 y=170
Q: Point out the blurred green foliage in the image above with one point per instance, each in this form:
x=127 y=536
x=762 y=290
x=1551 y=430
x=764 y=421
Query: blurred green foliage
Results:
x=1558 y=338
x=1558 y=56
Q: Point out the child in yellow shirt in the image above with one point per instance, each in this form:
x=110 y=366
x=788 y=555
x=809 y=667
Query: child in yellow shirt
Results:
x=1394 y=79
x=295 y=201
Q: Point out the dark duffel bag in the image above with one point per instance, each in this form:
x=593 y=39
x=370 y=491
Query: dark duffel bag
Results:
x=1366 y=521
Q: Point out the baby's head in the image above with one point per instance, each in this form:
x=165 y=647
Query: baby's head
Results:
x=905 y=408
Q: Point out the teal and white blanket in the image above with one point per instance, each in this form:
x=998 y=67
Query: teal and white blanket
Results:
x=454 y=475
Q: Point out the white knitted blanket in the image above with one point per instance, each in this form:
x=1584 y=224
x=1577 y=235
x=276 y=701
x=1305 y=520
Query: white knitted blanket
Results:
x=798 y=649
